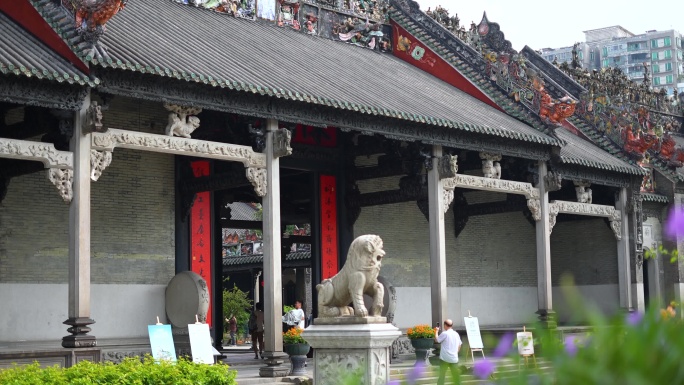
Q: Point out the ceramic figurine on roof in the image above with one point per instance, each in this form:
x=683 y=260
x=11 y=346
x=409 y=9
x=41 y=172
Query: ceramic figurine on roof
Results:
x=288 y=14
x=237 y=8
x=361 y=33
x=92 y=15
x=310 y=24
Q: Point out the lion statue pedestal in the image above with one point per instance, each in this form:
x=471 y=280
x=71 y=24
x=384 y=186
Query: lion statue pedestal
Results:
x=350 y=339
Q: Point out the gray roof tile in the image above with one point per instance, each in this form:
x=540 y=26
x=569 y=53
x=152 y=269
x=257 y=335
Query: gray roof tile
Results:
x=22 y=54
x=256 y=56
x=582 y=152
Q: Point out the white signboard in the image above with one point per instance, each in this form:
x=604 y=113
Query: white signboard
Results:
x=525 y=344
x=473 y=331
x=200 y=344
x=161 y=342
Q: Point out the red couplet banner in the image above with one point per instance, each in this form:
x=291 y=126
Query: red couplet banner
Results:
x=329 y=259
x=200 y=231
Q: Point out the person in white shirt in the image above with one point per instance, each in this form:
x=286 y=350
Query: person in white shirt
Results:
x=295 y=317
x=448 y=354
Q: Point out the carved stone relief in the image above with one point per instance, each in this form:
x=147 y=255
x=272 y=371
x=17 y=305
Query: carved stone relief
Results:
x=332 y=365
x=281 y=143
x=182 y=121
x=448 y=166
x=257 y=176
x=93 y=121
x=577 y=208
x=553 y=180
x=498 y=185
x=583 y=192
x=63 y=180
x=99 y=160
x=491 y=168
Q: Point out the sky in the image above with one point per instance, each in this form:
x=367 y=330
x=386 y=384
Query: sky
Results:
x=554 y=24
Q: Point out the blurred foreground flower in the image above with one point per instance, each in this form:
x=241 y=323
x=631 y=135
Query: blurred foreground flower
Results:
x=675 y=223
x=483 y=369
x=416 y=373
x=571 y=345
x=634 y=318
x=504 y=346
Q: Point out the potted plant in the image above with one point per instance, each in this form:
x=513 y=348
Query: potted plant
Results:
x=297 y=348
x=422 y=339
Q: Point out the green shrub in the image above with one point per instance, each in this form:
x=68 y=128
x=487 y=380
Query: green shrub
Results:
x=131 y=371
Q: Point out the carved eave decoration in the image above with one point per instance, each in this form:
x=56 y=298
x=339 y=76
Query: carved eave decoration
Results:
x=59 y=163
x=91 y=16
x=254 y=162
x=499 y=185
x=587 y=209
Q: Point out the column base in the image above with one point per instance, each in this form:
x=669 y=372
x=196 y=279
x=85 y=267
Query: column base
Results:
x=547 y=318
x=274 y=365
x=79 y=330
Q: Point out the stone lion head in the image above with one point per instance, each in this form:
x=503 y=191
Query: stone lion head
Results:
x=366 y=253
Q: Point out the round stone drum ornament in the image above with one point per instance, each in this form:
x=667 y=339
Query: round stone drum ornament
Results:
x=186 y=296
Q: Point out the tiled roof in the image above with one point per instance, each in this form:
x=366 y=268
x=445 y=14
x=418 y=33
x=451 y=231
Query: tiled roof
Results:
x=21 y=54
x=252 y=259
x=584 y=153
x=649 y=197
x=202 y=46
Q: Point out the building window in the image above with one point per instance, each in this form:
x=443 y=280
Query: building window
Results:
x=591 y=56
x=667 y=42
x=679 y=55
x=656 y=81
x=654 y=43
x=605 y=51
x=668 y=79
x=668 y=54
x=656 y=68
x=605 y=63
x=668 y=66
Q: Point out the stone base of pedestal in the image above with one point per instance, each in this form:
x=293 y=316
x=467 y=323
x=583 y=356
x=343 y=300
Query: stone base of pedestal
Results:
x=351 y=349
x=276 y=365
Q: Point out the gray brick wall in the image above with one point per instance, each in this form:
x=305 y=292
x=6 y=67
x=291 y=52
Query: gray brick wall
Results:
x=493 y=250
x=132 y=215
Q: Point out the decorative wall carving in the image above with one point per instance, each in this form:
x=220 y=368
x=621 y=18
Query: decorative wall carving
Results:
x=62 y=179
x=182 y=121
x=116 y=357
x=601 y=177
x=179 y=146
x=447 y=198
x=281 y=143
x=32 y=92
x=583 y=192
x=93 y=122
x=99 y=160
x=257 y=176
x=577 y=208
x=553 y=181
x=245 y=9
x=448 y=166
x=332 y=365
x=498 y=185
x=491 y=168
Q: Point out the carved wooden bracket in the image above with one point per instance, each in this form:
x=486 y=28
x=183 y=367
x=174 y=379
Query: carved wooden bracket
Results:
x=498 y=185
x=448 y=166
x=281 y=143
x=254 y=162
x=592 y=210
x=60 y=163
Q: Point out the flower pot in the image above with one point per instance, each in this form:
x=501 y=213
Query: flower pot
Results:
x=297 y=353
x=423 y=347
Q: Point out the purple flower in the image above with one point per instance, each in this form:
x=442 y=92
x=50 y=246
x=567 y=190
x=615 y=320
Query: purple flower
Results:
x=675 y=223
x=504 y=346
x=483 y=369
x=570 y=345
x=634 y=318
x=394 y=382
x=416 y=373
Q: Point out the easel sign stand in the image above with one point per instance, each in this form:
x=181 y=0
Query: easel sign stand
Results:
x=526 y=347
x=474 y=338
x=161 y=342
x=200 y=343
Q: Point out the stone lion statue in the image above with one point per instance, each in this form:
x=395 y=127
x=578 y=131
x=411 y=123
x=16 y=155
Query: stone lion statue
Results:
x=358 y=276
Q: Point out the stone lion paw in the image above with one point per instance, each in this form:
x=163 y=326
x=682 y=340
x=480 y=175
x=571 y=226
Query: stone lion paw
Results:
x=362 y=312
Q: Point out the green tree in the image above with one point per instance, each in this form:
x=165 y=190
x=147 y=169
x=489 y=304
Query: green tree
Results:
x=236 y=302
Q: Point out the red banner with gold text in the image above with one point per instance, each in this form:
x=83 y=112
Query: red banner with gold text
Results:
x=329 y=258
x=200 y=231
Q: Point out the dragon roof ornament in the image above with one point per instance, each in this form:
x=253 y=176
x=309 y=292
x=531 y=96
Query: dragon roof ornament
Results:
x=90 y=16
x=631 y=114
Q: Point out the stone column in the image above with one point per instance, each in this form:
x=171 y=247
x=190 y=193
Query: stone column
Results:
x=438 y=284
x=257 y=287
x=79 y=239
x=636 y=260
x=543 y=235
x=273 y=287
x=624 y=273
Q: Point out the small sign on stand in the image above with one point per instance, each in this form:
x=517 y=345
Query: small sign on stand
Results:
x=474 y=338
x=161 y=341
x=200 y=343
x=526 y=347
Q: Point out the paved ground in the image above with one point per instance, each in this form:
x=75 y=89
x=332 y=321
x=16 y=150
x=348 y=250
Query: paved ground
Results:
x=241 y=358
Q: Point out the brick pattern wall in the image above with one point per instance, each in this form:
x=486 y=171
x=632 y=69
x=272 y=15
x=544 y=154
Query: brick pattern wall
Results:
x=132 y=215
x=496 y=250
